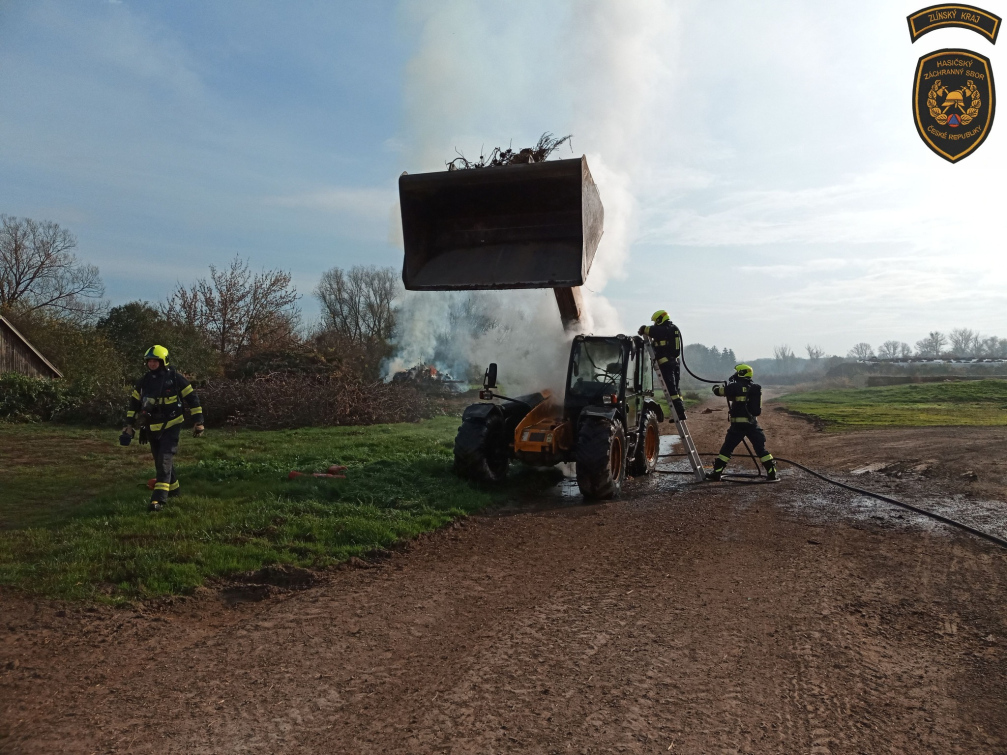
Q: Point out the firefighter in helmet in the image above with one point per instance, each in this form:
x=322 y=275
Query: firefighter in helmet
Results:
x=667 y=341
x=156 y=410
x=744 y=399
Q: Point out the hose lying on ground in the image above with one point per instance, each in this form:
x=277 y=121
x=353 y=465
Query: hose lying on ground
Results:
x=978 y=533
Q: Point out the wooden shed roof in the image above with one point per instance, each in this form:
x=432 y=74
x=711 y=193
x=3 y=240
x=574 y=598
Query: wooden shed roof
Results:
x=4 y=322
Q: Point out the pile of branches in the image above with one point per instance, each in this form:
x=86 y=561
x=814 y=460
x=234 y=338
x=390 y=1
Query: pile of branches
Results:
x=498 y=158
x=283 y=400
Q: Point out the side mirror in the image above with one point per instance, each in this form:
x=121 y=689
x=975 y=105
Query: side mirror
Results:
x=490 y=378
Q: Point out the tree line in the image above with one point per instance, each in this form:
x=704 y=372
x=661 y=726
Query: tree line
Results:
x=959 y=343
x=213 y=326
x=232 y=324
x=236 y=323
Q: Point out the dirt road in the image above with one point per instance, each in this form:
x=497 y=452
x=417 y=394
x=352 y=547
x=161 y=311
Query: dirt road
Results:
x=788 y=618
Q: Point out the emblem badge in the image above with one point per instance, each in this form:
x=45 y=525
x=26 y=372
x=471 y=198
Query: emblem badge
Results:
x=964 y=16
x=953 y=102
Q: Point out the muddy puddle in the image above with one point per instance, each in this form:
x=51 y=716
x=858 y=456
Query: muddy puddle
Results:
x=814 y=501
x=673 y=475
x=819 y=502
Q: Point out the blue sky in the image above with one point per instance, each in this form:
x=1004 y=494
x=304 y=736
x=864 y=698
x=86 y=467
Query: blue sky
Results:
x=761 y=173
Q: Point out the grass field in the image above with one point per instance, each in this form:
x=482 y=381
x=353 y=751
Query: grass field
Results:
x=74 y=524
x=978 y=402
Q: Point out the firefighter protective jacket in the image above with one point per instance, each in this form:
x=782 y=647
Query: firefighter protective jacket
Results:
x=159 y=397
x=744 y=399
x=667 y=339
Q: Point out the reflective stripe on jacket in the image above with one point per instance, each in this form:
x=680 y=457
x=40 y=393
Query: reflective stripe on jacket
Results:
x=744 y=399
x=162 y=393
x=667 y=340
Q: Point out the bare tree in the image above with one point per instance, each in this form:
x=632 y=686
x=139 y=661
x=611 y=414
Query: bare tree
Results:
x=814 y=352
x=357 y=305
x=239 y=312
x=905 y=350
x=38 y=270
x=965 y=342
x=890 y=350
x=933 y=345
x=862 y=350
x=785 y=358
x=994 y=348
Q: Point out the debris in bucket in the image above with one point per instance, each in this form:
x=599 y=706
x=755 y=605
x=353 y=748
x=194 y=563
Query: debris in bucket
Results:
x=547 y=143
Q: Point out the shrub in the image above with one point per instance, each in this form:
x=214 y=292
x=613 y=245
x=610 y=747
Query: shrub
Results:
x=32 y=399
x=95 y=403
x=288 y=399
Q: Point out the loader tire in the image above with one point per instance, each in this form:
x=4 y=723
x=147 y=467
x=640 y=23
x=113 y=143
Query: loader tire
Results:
x=601 y=458
x=481 y=451
x=647 y=447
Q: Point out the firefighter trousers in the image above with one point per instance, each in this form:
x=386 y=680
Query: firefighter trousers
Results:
x=163 y=447
x=736 y=433
x=671 y=371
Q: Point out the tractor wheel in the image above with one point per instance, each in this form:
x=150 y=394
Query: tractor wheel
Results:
x=601 y=458
x=647 y=447
x=481 y=451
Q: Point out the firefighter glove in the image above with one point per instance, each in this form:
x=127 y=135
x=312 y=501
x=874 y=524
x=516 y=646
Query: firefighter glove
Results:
x=642 y=330
x=197 y=431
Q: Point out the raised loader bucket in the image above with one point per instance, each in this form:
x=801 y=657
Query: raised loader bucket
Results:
x=534 y=225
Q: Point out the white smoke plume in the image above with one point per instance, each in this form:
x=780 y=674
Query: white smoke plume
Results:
x=458 y=331
x=491 y=74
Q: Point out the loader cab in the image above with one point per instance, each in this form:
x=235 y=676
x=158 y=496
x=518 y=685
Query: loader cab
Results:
x=597 y=373
x=640 y=388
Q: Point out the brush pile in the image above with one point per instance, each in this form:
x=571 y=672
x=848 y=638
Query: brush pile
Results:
x=498 y=158
x=282 y=400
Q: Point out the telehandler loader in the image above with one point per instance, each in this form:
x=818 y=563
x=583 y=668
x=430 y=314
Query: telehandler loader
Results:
x=535 y=225
x=607 y=422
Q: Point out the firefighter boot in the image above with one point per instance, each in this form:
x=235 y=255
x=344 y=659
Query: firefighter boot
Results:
x=679 y=406
x=770 y=463
x=159 y=497
x=718 y=468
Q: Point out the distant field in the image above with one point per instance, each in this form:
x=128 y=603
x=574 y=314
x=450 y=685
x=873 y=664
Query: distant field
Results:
x=74 y=524
x=979 y=402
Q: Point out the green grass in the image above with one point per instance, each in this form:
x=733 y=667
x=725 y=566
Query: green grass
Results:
x=74 y=524
x=978 y=402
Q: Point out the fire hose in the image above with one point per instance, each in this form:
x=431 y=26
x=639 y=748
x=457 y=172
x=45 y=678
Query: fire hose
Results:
x=909 y=507
x=887 y=499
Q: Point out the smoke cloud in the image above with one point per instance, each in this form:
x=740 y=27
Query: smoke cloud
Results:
x=488 y=74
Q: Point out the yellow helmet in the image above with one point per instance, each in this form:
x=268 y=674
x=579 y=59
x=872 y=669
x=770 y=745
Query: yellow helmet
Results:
x=659 y=317
x=743 y=371
x=157 y=352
